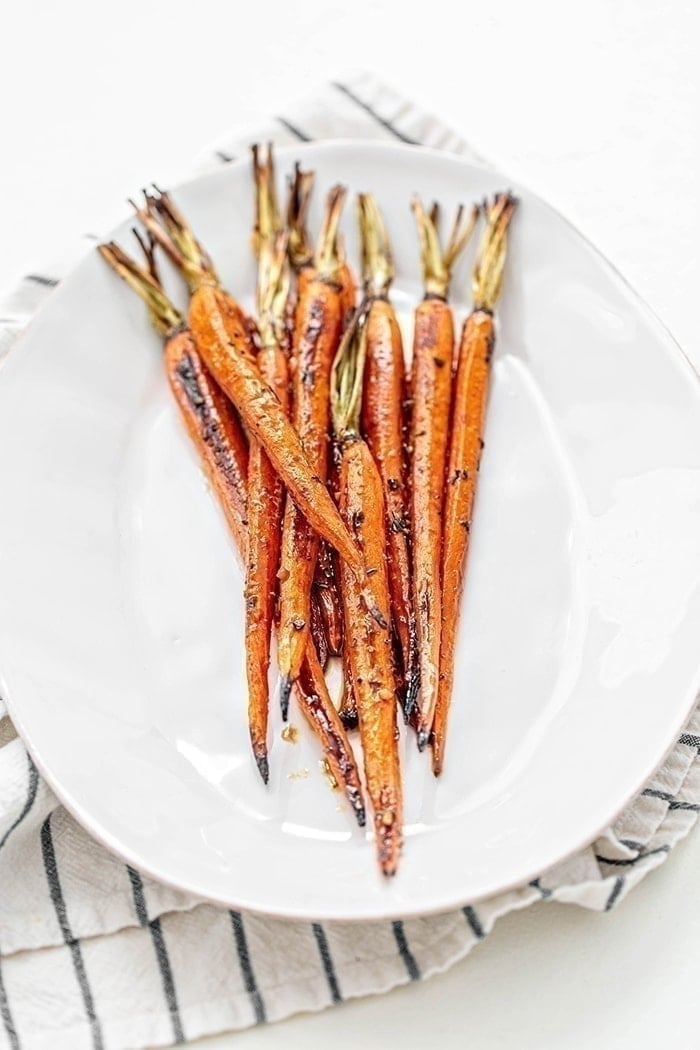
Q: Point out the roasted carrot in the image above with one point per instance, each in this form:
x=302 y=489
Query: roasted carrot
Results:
x=317 y=332
x=369 y=645
x=466 y=444
x=265 y=490
x=209 y=417
x=383 y=401
x=301 y=256
x=433 y=349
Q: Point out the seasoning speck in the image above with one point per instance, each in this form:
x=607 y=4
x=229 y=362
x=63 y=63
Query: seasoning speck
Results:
x=299 y=774
x=290 y=734
x=328 y=773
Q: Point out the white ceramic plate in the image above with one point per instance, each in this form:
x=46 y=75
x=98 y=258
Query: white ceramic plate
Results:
x=121 y=640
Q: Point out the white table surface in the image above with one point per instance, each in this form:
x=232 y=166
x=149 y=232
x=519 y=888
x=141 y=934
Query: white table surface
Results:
x=595 y=106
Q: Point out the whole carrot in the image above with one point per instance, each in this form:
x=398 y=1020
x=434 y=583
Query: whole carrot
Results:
x=317 y=331
x=431 y=381
x=265 y=490
x=383 y=425
x=368 y=645
x=326 y=590
x=468 y=416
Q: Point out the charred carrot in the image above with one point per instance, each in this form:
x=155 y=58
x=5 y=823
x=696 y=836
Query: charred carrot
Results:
x=326 y=615
x=433 y=349
x=209 y=417
x=383 y=426
x=468 y=416
x=265 y=490
x=317 y=707
x=326 y=586
x=368 y=645
x=317 y=332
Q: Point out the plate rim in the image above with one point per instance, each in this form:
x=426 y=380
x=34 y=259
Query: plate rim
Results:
x=105 y=838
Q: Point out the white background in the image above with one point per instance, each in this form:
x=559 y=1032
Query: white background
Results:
x=596 y=107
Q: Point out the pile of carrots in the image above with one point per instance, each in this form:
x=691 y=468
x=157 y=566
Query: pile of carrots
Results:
x=347 y=481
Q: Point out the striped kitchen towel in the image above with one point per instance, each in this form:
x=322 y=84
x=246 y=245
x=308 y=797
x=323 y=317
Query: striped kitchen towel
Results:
x=94 y=955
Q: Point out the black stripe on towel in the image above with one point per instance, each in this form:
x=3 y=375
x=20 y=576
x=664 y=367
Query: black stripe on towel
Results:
x=616 y=891
x=375 y=116
x=544 y=893
x=405 y=952
x=38 y=278
x=673 y=802
x=6 y=1015
x=474 y=923
x=246 y=966
x=665 y=796
x=49 y=857
x=327 y=960
x=161 y=952
x=690 y=739
x=32 y=785
x=629 y=861
x=294 y=130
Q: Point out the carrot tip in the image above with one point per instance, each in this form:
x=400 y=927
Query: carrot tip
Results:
x=349 y=719
x=358 y=807
x=422 y=738
x=285 y=692
x=263 y=767
x=411 y=697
